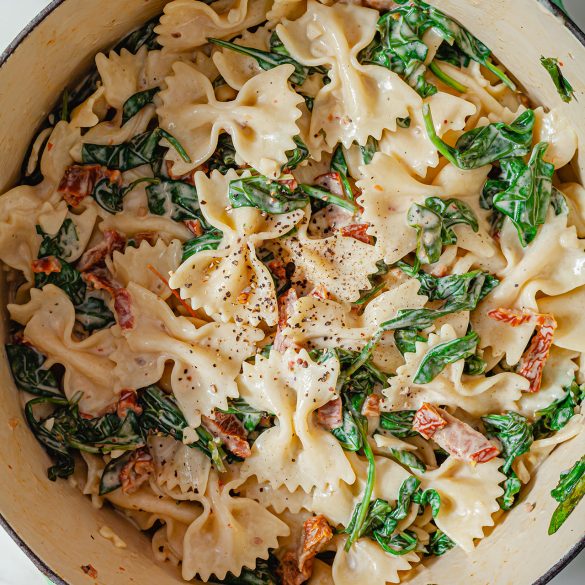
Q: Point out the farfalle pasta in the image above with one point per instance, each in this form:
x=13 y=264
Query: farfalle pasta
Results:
x=301 y=284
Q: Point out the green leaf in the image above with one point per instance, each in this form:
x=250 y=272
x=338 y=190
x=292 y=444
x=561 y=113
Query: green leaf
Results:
x=559 y=202
x=69 y=280
x=527 y=196
x=486 y=144
x=94 y=314
x=429 y=497
x=224 y=157
x=64 y=244
x=369 y=150
x=339 y=165
x=264 y=194
x=399 y=423
x=348 y=434
x=448 y=352
x=175 y=199
x=557 y=414
x=142 y=37
x=210 y=240
x=268 y=59
x=141 y=150
x=405 y=340
x=439 y=544
x=265 y=573
x=403 y=122
x=447 y=79
x=110 y=480
x=474 y=366
x=397 y=544
x=564 y=88
x=331 y=199
x=26 y=365
x=297 y=156
x=409 y=460
x=135 y=103
x=569 y=492
x=512 y=486
x=451 y=54
x=514 y=433
x=249 y=416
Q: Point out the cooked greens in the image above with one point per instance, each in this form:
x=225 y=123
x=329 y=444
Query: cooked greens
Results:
x=265 y=194
x=564 y=88
x=568 y=492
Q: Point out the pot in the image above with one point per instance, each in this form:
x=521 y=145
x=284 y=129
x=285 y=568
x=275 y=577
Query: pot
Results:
x=53 y=522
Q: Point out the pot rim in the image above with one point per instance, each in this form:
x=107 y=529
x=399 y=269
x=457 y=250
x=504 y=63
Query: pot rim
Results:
x=36 y=560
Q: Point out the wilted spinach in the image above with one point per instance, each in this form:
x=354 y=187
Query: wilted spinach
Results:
x=265 y=573
x=249 y=416
x=296 y=156
x=110 y=196
x=94 y=314
x=564 y=88
x=175 y=199
x=369 y=150
x=224 y=157
x=339 y=166
x=63 y=244
x=209 y=240
x=264 y=194
x=136 y=102
x=141 y=150
x=555 y=416
x=434 y=222
x=568 y=492
x=26 y=365
x=329 y=198
x=68 y=279
x=439 y=544
x=399 y=423
x=486 y=144
x=524 y=192
x=142 y=37
x=443 y=354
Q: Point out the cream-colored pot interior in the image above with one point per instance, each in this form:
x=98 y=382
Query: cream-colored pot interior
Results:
x=59 y=524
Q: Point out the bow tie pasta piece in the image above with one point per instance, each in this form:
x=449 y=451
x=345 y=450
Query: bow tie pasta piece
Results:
x=367 y=562
x=338 y=503
x=187 y=24
x=132 y=265
x=58 y=157
x=412 y=146
x=554 y=128
x=474 y=394
x=206 y=360
x=286 y=9
x=341 y=264
x=49 y=318
x=296 y=452
x=181 y=472
x=388 y=191
x=569 y=312
x=361 y=100
x=279 y=498
x=553 y=264
x=229 y=285
x=231 y=533
x=236 y=68
x=241 y=222
x=468 y=498
x=261 y=120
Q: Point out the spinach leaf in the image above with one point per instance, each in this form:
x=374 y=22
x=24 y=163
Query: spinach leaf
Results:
x=409 y=460
x=135 y=103
x=568 y=492
x=339 y=165
x=443 y=354
x=265 y=573
x=349 y=434
x=403 y=122
x=142 y=37
x=162 y=416
x=512 y=486
x=110 y=196
x=564 y=88
x=377 y=281
x=451 y=54
x=264 y=194
x=369 y=150
x=474 y=366
x=63 y=244
x=210 y=240
x=399 y=423
x=559 y=202
x=297 y=156
x=486 y=144
x=556 y=415
x=69 y=280
x=527 y=193
x=270 y=59
x=249 y=416
x=405 y=340
x=514 y=433
x=434 y=222
x=397 y=544
x=430 y=498
x=26 y=365
x=94 y=314
x=447 y=79
x=110 y=480
x=329 y=198
x=142 y=149
x=439 y=544
x=175 y=199
x=224 y=157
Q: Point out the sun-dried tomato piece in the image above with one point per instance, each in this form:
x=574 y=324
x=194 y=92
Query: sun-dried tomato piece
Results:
x=99 y=279
x=127 y=402
x=79 y=181
x=371 y=405
x=277 y=268
x=136 y=471
x=194 y=226
x=90 y=571
x=428 y=420
x=112 y=241
x=330 y=415
x=456 y=437
x=286 y=302
x=229 y=429
x=47 y=265
x=534 y=358
x=357 y=231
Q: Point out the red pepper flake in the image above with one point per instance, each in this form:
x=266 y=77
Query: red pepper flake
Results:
x=90 y=571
